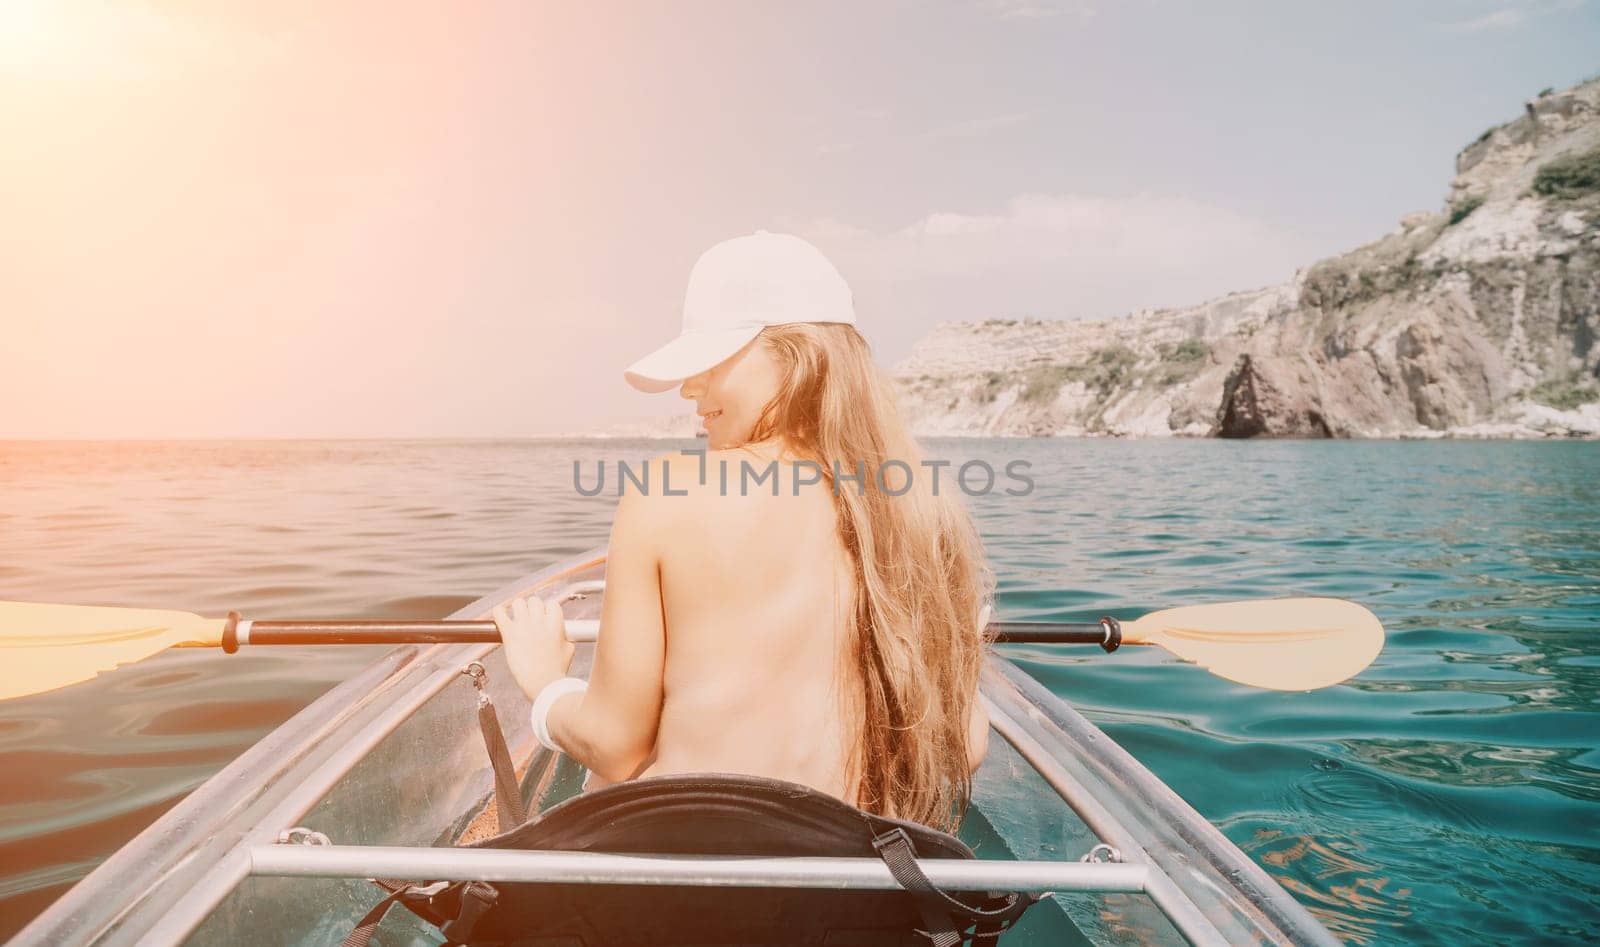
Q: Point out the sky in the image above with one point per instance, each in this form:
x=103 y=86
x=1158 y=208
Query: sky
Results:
x=294 y=218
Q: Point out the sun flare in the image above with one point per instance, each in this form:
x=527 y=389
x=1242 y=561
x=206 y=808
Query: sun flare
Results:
x=28 y=32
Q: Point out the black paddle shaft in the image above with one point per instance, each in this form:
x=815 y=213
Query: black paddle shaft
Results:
x=1107 y=632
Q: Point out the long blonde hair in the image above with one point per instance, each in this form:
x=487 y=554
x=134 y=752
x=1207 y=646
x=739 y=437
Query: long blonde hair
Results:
x=921 y=575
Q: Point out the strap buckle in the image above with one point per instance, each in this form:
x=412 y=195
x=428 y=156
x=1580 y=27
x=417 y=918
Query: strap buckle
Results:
x=477 y=897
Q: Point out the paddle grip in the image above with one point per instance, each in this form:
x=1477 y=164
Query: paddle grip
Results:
x=1113 y=639
x=230 y=633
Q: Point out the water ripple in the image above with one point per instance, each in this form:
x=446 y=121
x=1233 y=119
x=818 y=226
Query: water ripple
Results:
x=1447 y=795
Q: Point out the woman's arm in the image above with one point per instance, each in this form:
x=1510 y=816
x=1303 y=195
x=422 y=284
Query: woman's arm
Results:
x=611 y=728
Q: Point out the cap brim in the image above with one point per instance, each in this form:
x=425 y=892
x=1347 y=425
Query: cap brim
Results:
x=686 y=356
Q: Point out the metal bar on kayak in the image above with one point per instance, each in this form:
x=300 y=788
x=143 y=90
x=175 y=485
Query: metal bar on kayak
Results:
x=867 y=873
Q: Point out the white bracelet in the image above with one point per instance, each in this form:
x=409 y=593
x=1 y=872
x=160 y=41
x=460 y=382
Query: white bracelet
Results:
x=553 y=691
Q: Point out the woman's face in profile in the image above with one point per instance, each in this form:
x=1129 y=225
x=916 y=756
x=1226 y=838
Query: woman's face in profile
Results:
x=730 y=395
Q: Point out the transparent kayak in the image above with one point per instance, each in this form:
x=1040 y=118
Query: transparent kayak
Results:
x=390 y=769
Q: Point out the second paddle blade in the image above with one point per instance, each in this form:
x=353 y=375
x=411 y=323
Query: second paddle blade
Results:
x=1287 y=644
x=43 y=647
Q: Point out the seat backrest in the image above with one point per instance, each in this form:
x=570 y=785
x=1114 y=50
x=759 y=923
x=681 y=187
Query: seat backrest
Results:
x=709 y=814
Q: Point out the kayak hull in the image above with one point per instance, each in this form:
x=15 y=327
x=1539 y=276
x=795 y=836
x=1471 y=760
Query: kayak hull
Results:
x=393 y=757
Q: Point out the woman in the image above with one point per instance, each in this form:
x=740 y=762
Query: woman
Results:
x=824 y=629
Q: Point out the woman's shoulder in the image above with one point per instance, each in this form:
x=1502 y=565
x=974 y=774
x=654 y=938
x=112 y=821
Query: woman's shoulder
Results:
x=669 y=482
x=694 y=481
x=700 y=470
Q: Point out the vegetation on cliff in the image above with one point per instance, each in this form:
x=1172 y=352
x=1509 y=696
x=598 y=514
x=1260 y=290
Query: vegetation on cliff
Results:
x=1479 y=319
x=1570 y=177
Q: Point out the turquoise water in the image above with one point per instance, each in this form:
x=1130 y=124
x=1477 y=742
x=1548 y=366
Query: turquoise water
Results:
x=1449 y=794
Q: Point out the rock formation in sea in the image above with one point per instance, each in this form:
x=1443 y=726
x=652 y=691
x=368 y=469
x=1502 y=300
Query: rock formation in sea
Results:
x=1480 y=319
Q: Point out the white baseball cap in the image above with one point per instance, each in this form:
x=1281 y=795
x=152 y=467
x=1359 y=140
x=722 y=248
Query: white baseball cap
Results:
x=736 y=289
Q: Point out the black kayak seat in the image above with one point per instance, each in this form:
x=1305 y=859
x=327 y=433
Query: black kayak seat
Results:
x=717 y=814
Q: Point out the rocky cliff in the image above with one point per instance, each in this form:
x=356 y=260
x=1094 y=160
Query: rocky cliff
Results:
x=1480 y=319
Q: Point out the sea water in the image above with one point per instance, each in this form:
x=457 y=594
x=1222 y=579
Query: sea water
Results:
x=1448 y=794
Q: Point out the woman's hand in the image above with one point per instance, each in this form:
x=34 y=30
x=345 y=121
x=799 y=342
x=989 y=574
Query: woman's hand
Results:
x=534 y=634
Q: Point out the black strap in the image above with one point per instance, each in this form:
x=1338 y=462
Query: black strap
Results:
x=433 y=903
x=939 y=910
x=362 y=933
x=477 y=897
x=509 y=812
x=399 y=891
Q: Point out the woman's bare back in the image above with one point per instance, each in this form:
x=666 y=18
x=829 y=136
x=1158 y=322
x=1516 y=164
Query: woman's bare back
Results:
x=756 y=591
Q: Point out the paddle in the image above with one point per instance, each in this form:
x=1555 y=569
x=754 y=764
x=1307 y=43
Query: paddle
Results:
x=1286 y=644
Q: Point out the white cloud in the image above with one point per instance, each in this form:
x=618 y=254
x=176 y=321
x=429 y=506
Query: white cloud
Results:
x=1038 y=9
x=973 y=128
x=1083 y=232
x=1512 y=13
x=1055 y=256
x=1499 y=19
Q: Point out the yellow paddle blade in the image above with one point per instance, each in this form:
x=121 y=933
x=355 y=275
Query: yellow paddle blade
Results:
x=43 y=647
x=1286 y=644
